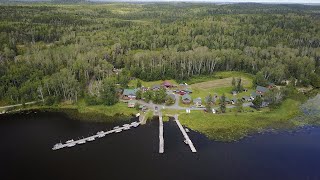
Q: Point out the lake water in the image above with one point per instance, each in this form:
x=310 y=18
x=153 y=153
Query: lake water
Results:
x=27 y=139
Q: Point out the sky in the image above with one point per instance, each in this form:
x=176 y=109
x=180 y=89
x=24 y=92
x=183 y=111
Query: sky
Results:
x=257 y=1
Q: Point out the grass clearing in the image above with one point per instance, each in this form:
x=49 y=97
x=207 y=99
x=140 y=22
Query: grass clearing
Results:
x=234 y=126
x=219 y=75
x=225 y=82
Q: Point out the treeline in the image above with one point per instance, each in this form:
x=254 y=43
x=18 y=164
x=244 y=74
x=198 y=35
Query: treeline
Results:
x=65 y=52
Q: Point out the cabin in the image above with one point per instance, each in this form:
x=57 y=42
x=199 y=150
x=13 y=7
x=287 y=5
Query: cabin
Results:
x=186 y=99
x=166 y=84
x=188 y=91
x=197 y=101
x=253 y=95
x=132 y=103
x=234 y=93
x=261 y=90
x=246 y=98
x=129 y=94
x=156 y=87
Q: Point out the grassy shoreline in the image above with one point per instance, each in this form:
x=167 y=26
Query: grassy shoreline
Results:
x=81 y=111
x=235 y=126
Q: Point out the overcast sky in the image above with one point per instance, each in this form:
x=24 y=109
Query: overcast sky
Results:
x=259 y=1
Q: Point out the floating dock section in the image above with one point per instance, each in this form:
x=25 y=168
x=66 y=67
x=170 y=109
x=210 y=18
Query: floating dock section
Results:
x=161 y=140
x=100 y=134
x=185 y=135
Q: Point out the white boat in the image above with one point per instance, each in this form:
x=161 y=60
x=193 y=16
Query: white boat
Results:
x=81 y=141
x=126 y=128
x=100 y=132
x=71 y=144
x=69 y=141
x=185 y=141
x=57 y=146
x=135 y=124
x=118 y=130
x=187 y=130
x=101 y=135
x=116 y=127
x=125 y=125
x=90 y=139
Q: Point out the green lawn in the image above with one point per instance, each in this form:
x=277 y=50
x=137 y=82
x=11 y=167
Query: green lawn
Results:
x=219 y=75
x=234 y=126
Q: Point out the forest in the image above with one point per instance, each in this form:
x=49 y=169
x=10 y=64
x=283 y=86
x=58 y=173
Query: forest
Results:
x=57 y=52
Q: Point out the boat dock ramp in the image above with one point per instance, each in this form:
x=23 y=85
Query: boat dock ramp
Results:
x=185 y=135
x=100 y=134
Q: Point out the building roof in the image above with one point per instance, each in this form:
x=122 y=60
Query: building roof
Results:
x=253 y=94
x=246 y=98
x=234 y=99
x=188 y=90
x=130 y=92
x=262 y=89
x=186 y=97
x=166 y=83
x=197 y=100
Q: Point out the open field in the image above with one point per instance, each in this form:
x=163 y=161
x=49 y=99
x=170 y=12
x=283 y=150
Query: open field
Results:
x=221 y=86
x=219 y=75
x=225 y=82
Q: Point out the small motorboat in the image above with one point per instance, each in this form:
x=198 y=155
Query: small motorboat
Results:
x=71 y=144
x=70 y=141
x=81 y=141
x=118 y=130
x=185 y=141
x=187 y=130
x=91 y=139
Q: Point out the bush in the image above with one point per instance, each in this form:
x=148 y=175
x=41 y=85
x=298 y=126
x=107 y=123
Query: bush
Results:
x=91 y=100
x=49 y=101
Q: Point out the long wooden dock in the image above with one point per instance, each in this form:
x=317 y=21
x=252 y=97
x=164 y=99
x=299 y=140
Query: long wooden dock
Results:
x=100 y=134
x=185 y=135
x=161 y=140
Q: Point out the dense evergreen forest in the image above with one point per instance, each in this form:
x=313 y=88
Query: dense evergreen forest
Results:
x=66 y=52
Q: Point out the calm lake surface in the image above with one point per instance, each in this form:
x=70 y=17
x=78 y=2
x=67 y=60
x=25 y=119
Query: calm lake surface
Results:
x=27 y=139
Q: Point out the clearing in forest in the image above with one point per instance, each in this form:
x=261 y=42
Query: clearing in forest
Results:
x=225 y=82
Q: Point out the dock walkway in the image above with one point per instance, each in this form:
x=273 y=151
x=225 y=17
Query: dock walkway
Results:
x=100 y=134
x=185 y=135
x=161 y=140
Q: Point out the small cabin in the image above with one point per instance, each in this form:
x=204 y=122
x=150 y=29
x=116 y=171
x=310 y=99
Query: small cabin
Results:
x=197 y=101
x=261 y=90
x=186 y=99
x=129 y=94
x=166 y=84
